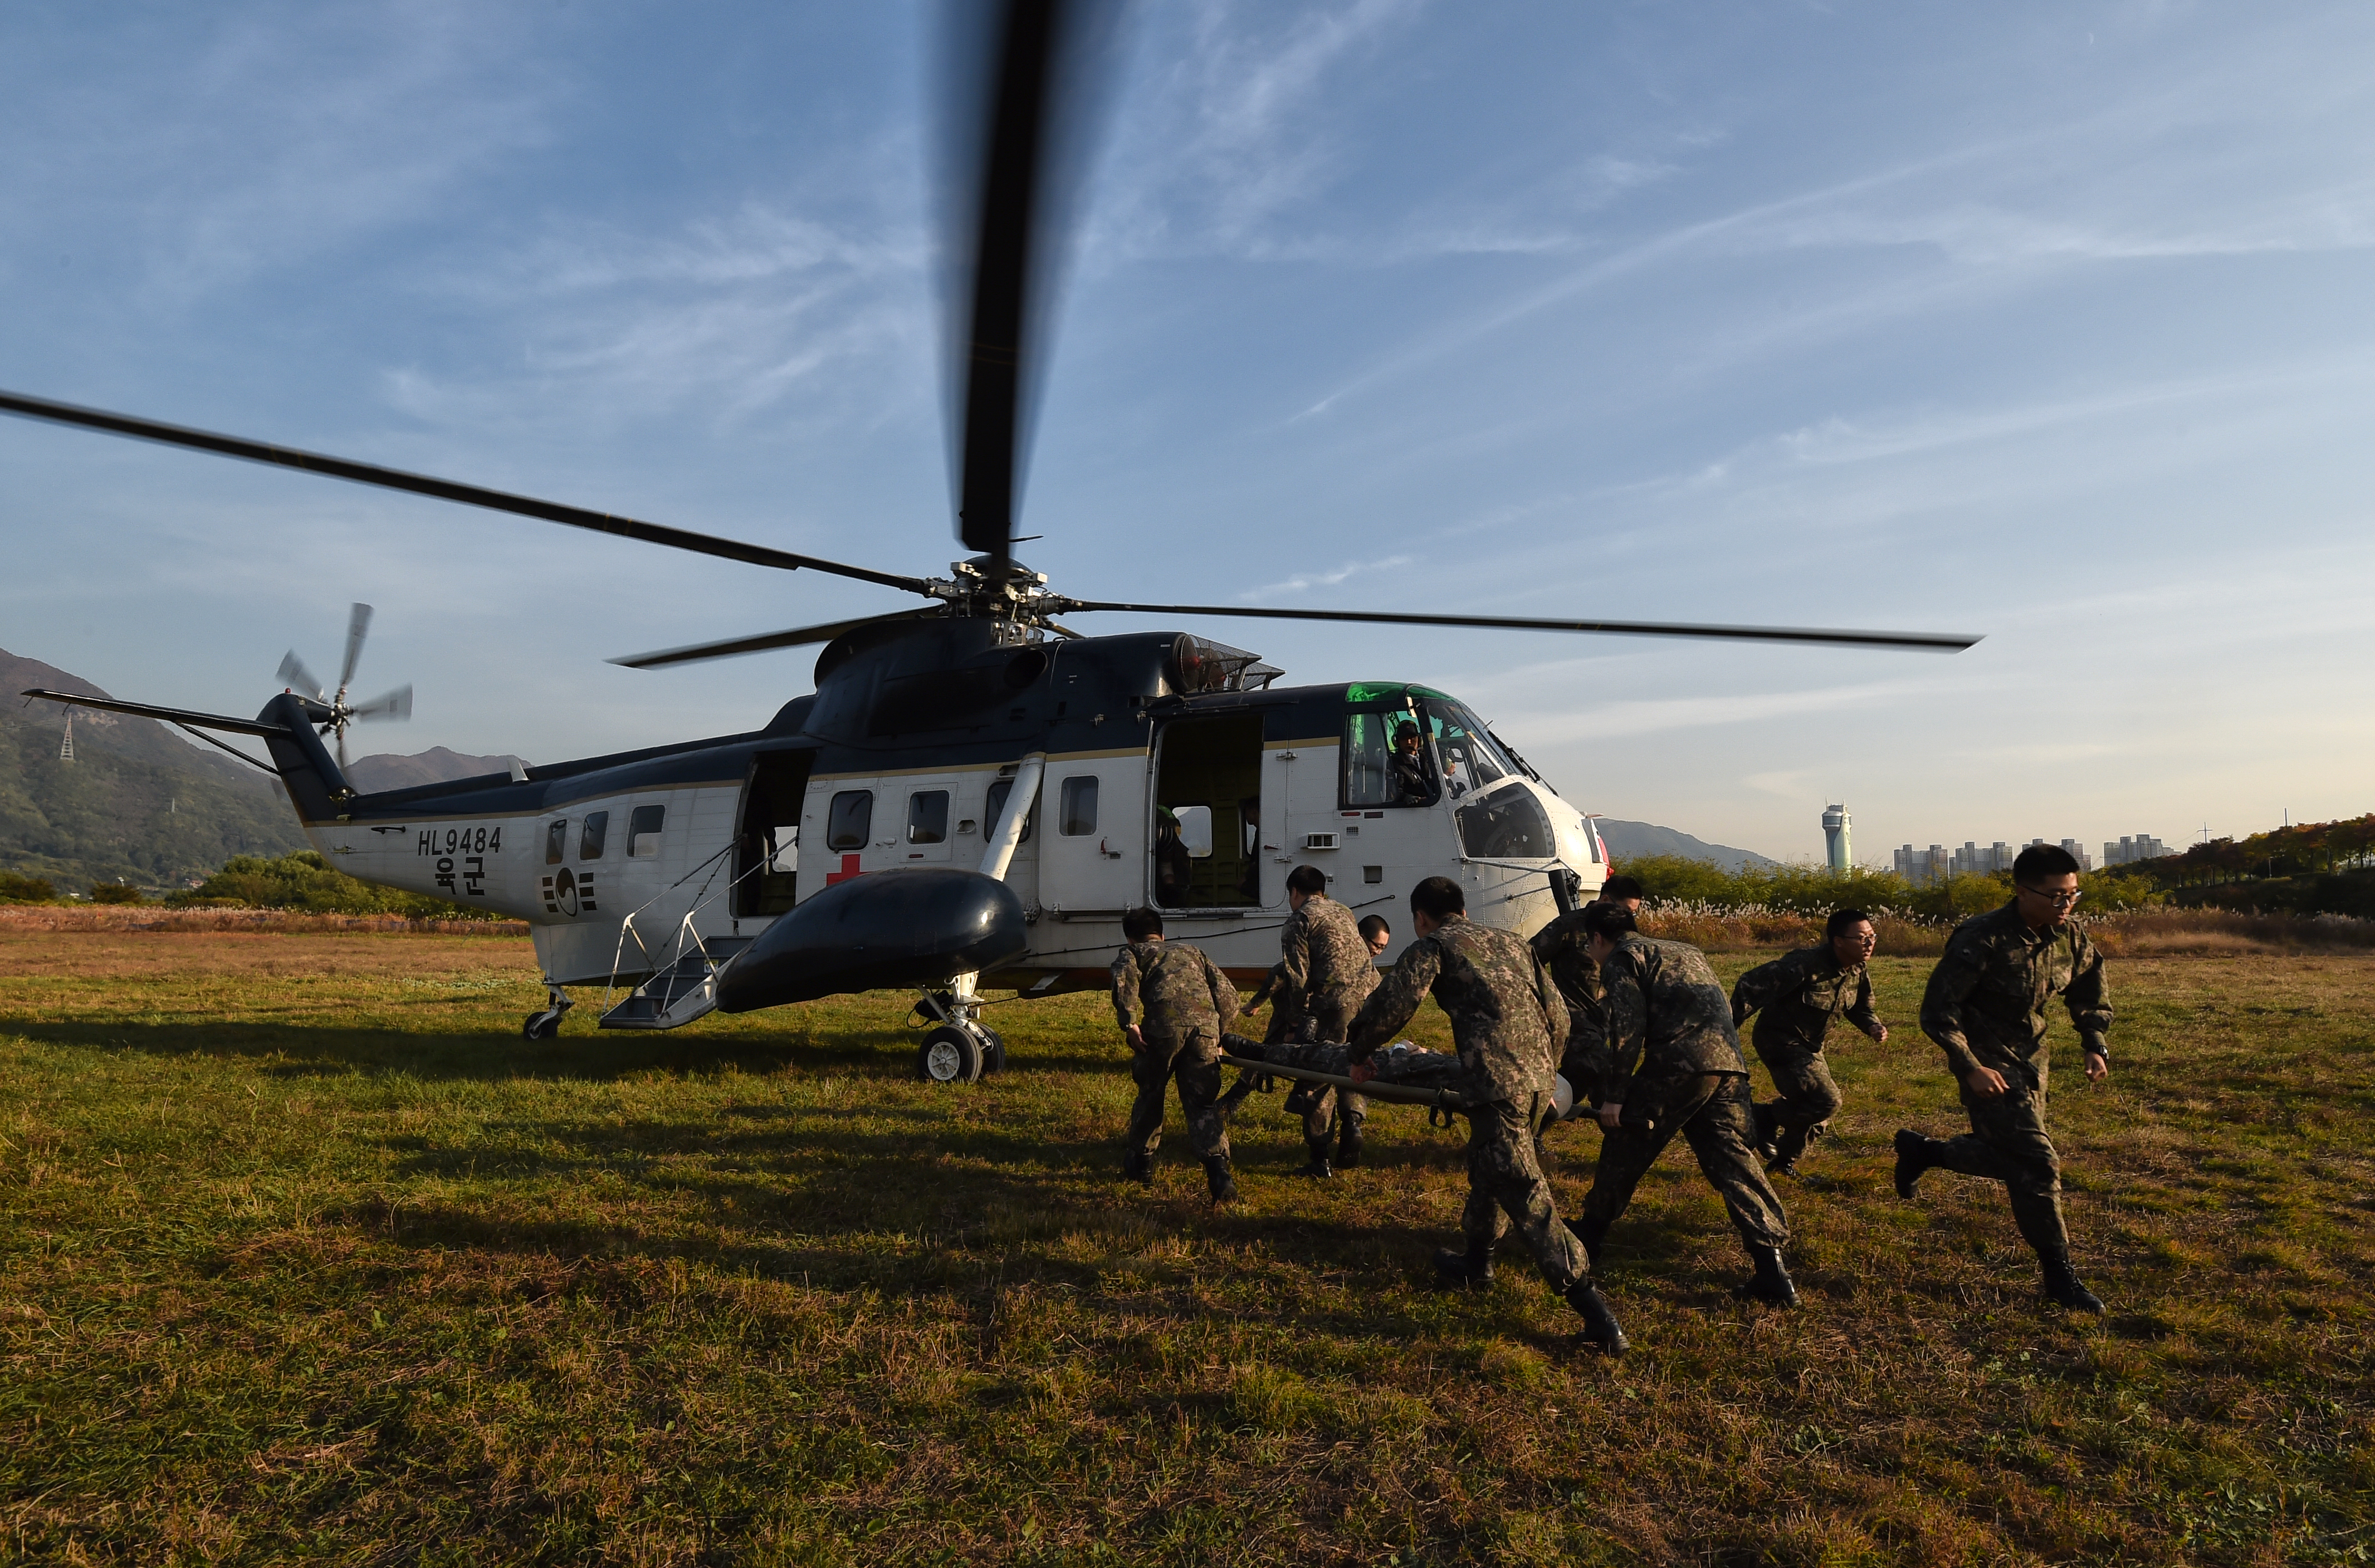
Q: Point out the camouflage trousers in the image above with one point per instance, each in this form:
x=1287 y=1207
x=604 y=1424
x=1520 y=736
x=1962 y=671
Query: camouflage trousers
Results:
x=1809 y=1098
x=1716 y=1116
x=1189 y=1063
x=1505 y=1188
x=2008 y=1143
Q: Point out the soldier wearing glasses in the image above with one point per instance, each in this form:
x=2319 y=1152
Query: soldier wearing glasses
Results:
x=1985 y=1007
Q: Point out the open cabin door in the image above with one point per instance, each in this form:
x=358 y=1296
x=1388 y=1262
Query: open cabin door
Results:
x=767 y=848
x=1207 y=849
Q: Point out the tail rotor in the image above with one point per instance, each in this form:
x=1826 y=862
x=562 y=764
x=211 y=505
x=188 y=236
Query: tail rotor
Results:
x=330 y=709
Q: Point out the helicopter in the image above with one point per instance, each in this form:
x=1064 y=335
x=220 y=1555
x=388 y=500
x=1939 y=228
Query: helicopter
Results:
x=975 y=793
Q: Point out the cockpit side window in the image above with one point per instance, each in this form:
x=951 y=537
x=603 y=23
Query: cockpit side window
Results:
x=1388 y=761
x=1473 y=759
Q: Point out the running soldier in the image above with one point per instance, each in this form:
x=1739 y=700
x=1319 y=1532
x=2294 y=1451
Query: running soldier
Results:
x=1795 y=999
x=1506 y=1019
x=1172 y=1005
x=1674 y=1066
x=1326 y=971
x=1565 y=949
x=1985 y=1007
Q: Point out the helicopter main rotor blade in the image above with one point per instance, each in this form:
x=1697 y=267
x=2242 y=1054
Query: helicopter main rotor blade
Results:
x=294 y=675
x=1931 y=641
x=442 y=489
x=765 y=642
x=395 y=704
x=357 y=628
x=1039 y=51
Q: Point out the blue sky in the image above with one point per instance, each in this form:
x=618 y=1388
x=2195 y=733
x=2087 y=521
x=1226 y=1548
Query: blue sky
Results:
x=2046 y=321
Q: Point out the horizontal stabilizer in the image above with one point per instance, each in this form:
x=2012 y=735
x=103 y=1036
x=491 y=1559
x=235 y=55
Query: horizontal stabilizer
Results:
x=169 y=716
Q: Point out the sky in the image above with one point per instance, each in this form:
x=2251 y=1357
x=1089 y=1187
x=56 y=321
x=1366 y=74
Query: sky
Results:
x=2045 y=322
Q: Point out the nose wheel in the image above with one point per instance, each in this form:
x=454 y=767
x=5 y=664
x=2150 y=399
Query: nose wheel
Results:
x=546 y=1024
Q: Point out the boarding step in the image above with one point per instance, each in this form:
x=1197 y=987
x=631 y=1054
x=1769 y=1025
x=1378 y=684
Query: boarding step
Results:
x=684 y=991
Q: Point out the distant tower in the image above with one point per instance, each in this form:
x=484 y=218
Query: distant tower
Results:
x=65 y=747
x=1834 y=839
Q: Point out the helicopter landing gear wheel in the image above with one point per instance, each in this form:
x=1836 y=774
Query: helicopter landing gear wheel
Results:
x=546 y=1025
x=993 y=1050
x=950 y=1055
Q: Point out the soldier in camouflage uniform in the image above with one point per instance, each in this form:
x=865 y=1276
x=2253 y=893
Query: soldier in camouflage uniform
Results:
x=1795 y=999
x=1674 y=1066
x=1565 y=949
x=1985 y=1007
x=1324 y=974
x=1172 y=1005
x=1506 y=1019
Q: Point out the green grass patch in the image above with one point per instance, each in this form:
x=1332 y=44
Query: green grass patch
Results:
x=306 y=1255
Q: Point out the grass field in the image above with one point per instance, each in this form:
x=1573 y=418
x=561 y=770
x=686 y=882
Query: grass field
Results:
x=304 y=1255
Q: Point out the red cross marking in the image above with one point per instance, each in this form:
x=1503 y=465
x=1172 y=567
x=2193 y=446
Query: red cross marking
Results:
x=848 y=870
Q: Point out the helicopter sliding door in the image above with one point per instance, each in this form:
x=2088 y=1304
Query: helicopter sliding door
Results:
x=767 y=848
x=1208 y=813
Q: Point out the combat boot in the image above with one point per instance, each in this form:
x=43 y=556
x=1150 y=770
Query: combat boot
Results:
x=1348 y=1146
x=1319 y=1170
x=1915 y=1154
x=1599 y=1326
x=1467 y=1267
x=1591 y=1233
x=2061 y=1286
x=1224 y=1185
x=1139 y=1167
x=1771 y=1283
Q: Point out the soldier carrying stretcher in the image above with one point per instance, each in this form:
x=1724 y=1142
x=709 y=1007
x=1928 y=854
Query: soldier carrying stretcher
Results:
x=1507 y=1020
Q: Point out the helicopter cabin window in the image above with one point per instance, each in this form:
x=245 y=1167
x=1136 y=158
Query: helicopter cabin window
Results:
x=1387 y=760
x=995 y=809
x=589 y=842
x=556 y=840
x=644 y=831
x=928 y=817
x=1079 y=815
x=850 y=823
x=1208 y=813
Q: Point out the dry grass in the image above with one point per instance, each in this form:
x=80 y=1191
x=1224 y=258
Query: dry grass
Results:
x=2164 y=932
x=29 y=918
x=304 y=1253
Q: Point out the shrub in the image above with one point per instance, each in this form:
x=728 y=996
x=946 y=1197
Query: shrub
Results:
x=1817 y=890
x=115 y=892
x=305 y=881
x=14 y=888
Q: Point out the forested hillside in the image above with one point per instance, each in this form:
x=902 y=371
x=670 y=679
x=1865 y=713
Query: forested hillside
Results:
x=137 y=803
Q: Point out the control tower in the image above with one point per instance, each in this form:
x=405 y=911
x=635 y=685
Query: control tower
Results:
x=1834 y=839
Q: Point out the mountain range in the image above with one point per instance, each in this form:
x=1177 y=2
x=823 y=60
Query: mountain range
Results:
x=139 y=804
x=1634 y=840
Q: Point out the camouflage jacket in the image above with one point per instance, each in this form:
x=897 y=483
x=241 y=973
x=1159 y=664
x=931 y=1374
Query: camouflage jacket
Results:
x=1565 y=947
x=1322 y=957
x=1171 y=990
x=1986 y=1002
x=1666 y=1014
x=1506 y=1017
x=1798 y=994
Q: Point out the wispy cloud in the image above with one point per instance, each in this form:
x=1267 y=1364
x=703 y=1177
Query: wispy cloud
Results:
x=1304 y=582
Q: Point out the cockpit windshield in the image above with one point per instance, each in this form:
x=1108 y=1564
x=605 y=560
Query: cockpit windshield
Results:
x=1473 y=759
